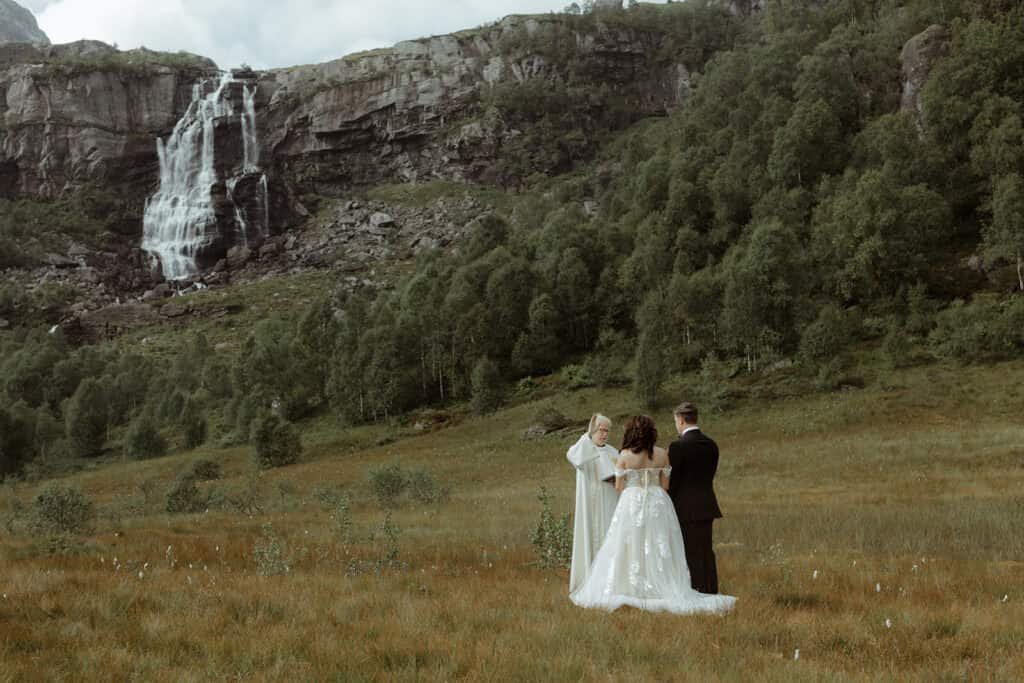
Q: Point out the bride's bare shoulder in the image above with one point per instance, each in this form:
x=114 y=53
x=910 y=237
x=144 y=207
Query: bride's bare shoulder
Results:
x=660 y=456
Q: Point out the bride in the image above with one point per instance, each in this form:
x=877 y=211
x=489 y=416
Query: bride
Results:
x=641 y=562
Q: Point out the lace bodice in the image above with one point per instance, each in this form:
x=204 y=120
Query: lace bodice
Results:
x=647 y=476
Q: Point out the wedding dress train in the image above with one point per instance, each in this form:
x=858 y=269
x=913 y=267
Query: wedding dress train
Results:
x=642 y=562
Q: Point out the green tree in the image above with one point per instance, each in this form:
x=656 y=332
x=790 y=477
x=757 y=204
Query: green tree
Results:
x=86 y=418
x=276 y=442
x=193 y=423
x=143 y=439
x=488 y=387
x=1004 y=236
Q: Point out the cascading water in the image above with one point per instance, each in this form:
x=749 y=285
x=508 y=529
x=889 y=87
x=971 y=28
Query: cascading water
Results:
x=181 y=219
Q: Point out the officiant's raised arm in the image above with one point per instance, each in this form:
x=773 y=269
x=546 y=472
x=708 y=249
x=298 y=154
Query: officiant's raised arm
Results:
x=587 y=449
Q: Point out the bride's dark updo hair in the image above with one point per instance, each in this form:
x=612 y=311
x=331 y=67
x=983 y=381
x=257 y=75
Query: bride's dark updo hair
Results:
x=640 y=436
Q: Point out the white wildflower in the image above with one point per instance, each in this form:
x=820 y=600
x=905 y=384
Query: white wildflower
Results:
x=815 y=574
x=878 y=588
x=140 y=575
x=796 y=654
x=1006 y=598
x=888 y=623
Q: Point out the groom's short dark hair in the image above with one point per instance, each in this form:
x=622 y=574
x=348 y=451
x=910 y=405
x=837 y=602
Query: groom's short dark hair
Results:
x=687 y=411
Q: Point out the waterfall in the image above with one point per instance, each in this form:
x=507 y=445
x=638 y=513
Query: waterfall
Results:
x=180 y=220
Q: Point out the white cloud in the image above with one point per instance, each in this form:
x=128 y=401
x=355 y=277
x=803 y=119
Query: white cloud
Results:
x=268 y=33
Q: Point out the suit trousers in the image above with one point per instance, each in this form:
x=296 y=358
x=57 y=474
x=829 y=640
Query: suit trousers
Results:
x=700 y=556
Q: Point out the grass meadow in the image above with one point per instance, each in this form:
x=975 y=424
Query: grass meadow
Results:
x=875 y=532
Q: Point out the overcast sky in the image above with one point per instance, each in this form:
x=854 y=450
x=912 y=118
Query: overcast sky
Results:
x=268 y=33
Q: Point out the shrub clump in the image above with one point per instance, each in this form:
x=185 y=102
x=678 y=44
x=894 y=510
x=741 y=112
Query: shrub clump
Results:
x=388 y=482
x=59 y=509
x=206 y=470
x=552 y=538
x=144 y=440
x=391 y=483
x=424 y=488
x=488 y=390
x=269 y=554
x=275 y=441
x=184 y=496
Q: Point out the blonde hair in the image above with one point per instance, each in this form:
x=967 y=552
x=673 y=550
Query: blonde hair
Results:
x=597 y=420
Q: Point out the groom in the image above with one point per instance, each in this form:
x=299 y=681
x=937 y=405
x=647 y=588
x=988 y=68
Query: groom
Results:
x=694 y=460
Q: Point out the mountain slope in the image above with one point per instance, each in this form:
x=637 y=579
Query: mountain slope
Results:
x=18 y=25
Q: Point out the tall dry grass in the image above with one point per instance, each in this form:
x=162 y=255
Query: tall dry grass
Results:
x=877 y=531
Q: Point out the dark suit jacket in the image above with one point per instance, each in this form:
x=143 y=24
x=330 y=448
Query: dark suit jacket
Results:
x=694 y=461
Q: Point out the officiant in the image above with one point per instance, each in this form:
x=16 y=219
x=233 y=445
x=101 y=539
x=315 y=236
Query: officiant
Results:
x=596 y=496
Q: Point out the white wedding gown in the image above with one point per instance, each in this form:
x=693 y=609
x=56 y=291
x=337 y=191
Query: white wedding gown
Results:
x=641 y=562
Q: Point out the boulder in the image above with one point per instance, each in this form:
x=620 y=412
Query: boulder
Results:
x=238 y=256
x=918 y=56
x=269 y=250
x=175 y=310
x=381 y=220
x=58 y=261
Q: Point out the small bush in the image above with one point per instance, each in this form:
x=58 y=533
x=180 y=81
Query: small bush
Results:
x=388 y=482
x=60 y=509
x=244 y=499
x=205 y=470
x=897 y=348
x=388 y=553
x=552 y=538
x=328 y=495
x=341 y=520
x=143 y=440
x=275 y=441
x=184 y=496
x=578 y=376
x=269 y=554
x=423 y=487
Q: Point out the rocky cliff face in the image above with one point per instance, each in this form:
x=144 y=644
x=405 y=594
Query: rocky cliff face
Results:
x=18 y=25
x=85 y=113
x=413 y=112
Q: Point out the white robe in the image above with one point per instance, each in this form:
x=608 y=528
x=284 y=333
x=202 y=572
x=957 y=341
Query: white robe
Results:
x=595 y=504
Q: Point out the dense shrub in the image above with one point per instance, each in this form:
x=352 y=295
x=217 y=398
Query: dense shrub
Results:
x=185 y=497
x=205 y=470
x=61 y=509
x=143 y=439
x=388 y=483
x=276 y=443
x=86 y=419
x=193 y=424
x=552 y=537
x=424 y=487
x=488 y=387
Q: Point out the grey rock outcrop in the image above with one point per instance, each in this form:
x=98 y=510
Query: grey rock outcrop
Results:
x=18 y=25
x=406 y=113
x=918 y=56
